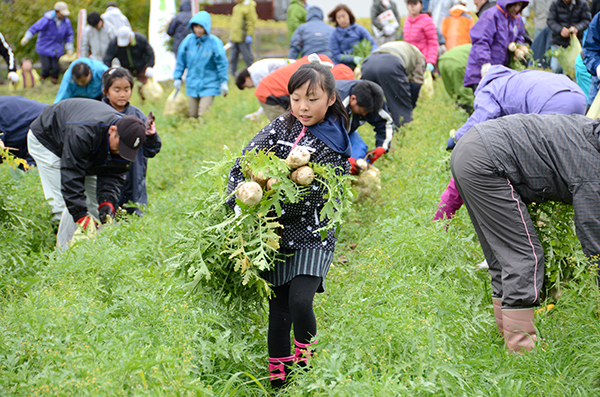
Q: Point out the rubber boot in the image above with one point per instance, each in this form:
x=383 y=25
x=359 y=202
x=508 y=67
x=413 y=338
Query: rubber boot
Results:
x=519 y=329
x=497 y=302
x=302 y=353
x=279 y=369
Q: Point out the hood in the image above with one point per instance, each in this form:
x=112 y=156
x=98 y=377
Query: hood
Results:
x=299 y=2
x=495 y=72
x=203 y=19
x=333 y=133
x=186 y=5
x=50 y=14
x=314 y=12
x=458 y=10
x=504 y=3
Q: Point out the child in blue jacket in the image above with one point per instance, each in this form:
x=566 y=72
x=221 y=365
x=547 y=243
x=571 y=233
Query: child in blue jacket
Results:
x=203 y=55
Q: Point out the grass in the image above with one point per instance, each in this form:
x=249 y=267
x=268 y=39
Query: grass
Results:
x=404 y=312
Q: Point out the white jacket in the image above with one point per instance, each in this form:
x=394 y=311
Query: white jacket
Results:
x=115 y=17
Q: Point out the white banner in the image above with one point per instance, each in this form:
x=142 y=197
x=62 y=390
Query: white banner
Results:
x=161 y=13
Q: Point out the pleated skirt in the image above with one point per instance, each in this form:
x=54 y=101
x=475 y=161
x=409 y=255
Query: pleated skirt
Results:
x=303 y=262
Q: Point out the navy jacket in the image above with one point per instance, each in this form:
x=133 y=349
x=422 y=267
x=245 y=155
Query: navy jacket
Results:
x=178 y=28
x=311 y=37
x=76 y=130
x=381 y=121
x=134 y=189
x=16 y=114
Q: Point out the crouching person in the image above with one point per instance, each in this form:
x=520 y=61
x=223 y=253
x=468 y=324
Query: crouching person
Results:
x=83 y=148
x=502 y=165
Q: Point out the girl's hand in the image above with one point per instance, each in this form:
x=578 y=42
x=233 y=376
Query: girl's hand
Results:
x=151 y=130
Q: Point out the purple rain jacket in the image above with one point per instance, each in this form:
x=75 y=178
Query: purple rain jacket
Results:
x=490 y=36
x=51 y=38
x=504 y=91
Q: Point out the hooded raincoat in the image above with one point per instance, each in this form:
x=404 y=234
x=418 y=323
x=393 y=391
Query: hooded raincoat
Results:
x=311 y=37
x=205 y=59
x=178 y=28
x=456 y=27
x=490 y=36
x=53 y=35
x=296 y=16
x=243 y=21
x=93 y=90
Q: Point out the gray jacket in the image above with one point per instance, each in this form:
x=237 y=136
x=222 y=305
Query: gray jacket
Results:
x=377 y=8
x=95 y=42
x=551 y=158
x=311 y=37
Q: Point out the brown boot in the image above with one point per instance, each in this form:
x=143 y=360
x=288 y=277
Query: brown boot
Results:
x=497 y=302
x=519 y=329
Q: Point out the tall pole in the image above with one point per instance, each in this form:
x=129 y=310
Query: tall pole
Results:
x=81 y=22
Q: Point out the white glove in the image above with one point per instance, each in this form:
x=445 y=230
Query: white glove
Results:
x=430 y=67
x=14 y=77
x=149 y=72
x=177 y=84
x=24 y=41
x=484 y=68
x=388 y=30
x=224 y=88
x=598 y=70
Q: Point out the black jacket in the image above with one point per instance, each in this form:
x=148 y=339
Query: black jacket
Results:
x=562 y=15
x=76 y=130
x=8 y=55
x=133 y=57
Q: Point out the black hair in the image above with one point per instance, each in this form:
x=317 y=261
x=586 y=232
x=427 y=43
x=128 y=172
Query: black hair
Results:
x=338 y=8
x=369 y=95
x=80 y=70
x=319 y=75
x=93 y=19
x=413 y=2
x=240 y=79
x=112 y=74
x=112 y=4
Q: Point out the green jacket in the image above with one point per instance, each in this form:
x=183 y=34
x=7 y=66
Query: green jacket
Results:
x=296 y=16
x=243 y=21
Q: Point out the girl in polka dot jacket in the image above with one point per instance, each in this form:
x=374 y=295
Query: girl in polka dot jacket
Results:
x=318 y=122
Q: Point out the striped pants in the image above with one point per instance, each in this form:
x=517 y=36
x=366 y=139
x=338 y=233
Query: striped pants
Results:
x=502 y=222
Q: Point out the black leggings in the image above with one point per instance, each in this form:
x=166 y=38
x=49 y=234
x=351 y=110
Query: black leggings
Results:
x=49 y=66
x=292 y=304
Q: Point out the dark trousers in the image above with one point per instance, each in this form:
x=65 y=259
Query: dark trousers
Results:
x=246 y=50
x=49 y=67
x=292 y=304
x=501 y=219
x=387 y=71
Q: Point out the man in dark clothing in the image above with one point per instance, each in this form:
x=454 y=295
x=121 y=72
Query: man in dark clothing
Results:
x=76 y=139
x=483 y=5
x=9 y=57
x=567 y=17
x=363 y=100
x=500 y=166
x=134 y=53
x=16 y=114
x=178 y=28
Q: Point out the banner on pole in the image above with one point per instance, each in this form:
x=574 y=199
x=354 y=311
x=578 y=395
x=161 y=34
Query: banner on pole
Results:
x=81 y=22
x=161 y=13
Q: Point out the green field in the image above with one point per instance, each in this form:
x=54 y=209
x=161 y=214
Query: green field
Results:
x=405 y=311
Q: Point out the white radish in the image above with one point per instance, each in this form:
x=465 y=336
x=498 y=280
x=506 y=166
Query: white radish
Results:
x=303 y=175
x=362 y=164
x=512 y=47
x=271 y=182
x=298 y=157
x=259 y=178
x=250 y=193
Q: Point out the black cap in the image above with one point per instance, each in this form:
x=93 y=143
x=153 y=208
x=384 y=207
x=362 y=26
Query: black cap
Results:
x=132 y=135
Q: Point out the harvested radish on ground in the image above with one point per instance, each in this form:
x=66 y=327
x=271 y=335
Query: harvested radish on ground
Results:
x=303 y=175
x=298 y=157
x=250 y=193
x=271 y=182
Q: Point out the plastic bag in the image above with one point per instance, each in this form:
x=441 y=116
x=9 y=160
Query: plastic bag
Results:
x=427 y=88
x=176 y=105
x=594 y=111
x=152 y=91
x=568 y=56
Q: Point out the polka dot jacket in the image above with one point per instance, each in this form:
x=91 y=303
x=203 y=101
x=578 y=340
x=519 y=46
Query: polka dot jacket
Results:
x=300 y=220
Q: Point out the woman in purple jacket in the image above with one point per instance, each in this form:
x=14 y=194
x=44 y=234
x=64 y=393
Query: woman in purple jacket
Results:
x=491 y=35
x=55 y=36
